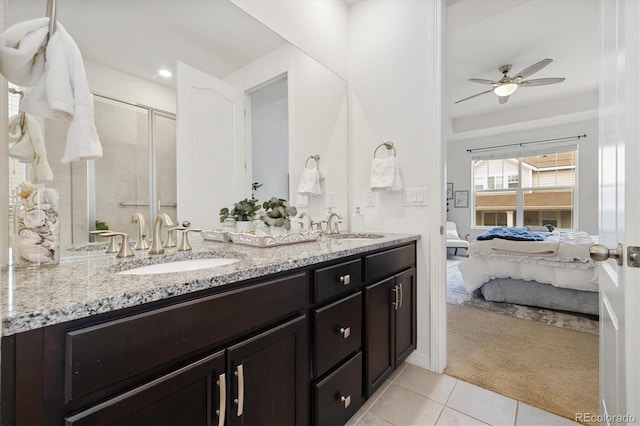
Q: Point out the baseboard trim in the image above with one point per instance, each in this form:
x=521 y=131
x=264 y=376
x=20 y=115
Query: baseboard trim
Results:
x=419 y=359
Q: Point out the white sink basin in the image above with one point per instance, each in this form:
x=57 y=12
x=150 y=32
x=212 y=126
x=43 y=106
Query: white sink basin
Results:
x=179 y=266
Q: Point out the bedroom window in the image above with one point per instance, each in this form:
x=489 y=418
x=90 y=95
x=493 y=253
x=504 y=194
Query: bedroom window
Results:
x=537 y=189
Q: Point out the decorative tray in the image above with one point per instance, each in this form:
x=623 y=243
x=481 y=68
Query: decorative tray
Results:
x=251 y=239
x=216 y=235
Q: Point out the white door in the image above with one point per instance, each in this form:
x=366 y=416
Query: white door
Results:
x=619 y=212
x=209 y=147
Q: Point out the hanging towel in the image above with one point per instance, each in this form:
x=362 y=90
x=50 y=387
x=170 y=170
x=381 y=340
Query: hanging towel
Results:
x=310 y=181
x=60 y=90
x=22 y=51
x=385 y=174
x=28 y=147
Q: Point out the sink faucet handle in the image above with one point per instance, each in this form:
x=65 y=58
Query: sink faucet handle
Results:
x=170 y=242
x=125 y=249
x=111 y=248
x=184 y=243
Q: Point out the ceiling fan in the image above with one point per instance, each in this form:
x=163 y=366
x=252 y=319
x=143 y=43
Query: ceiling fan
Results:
x=505 y=87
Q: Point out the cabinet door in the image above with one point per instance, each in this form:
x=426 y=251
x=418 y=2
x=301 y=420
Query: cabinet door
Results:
x=380 y=335
x=188 y=396
x=270 y=377
x=405 y=312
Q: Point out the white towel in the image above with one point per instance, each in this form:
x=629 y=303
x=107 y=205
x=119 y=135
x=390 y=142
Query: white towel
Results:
x=310 y=181
x=22 y=51
x=28 y=147
x=385 y=174
x=61 y=90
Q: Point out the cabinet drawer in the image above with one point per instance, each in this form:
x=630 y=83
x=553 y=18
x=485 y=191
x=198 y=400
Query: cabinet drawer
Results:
x=337 y=279
x=339 y=396
x=105 y=354
x=338 y=332
x=180 y=397
x=381 y=265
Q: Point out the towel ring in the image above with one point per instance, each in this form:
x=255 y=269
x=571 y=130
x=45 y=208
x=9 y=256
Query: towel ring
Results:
x=313 y=157
x=388 y=145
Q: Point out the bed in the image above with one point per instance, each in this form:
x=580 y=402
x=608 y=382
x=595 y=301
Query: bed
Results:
x=544 y=269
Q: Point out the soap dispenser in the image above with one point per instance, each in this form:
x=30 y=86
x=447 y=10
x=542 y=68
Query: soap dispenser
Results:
x=357 y=221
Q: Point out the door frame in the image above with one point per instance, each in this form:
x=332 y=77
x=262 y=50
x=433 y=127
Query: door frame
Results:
x=438 y=325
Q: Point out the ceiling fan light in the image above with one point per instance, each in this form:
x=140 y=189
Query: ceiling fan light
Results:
x=505 y=89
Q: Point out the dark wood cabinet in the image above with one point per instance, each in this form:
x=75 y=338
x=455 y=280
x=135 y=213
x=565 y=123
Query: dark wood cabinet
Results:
x=262 y=380
x=303 y=347
x=188 y=396
x=405 y=315
x=390 y=312
x=269 y=377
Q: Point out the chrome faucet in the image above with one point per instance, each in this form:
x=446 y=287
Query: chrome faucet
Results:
x=141 y=242
x=156 y=242
x=334 y=230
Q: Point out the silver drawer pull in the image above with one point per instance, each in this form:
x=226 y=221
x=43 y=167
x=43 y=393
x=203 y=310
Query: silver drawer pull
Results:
x=345 y=279
x=346 y=400
x=221 y=411
x=346 y=332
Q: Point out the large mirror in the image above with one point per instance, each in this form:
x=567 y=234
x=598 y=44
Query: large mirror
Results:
x=295 y=109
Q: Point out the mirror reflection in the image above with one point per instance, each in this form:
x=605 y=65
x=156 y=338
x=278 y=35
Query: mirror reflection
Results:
x=295 y=108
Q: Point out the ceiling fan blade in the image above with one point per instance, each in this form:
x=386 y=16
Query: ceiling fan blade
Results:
x=503 y=99
x=482 y=81
x=541 y=81
x=533 y=68
x=473 y=96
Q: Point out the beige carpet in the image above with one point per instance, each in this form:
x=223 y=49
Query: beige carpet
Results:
x=551 y=368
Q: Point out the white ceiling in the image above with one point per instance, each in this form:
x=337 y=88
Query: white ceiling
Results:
x=482 y=35
x=141 y=36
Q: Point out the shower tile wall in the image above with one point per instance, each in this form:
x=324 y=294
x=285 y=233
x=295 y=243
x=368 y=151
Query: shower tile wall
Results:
x=122 y=174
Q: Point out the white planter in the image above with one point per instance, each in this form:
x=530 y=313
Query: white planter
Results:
x=244 y=226
x=278 y=230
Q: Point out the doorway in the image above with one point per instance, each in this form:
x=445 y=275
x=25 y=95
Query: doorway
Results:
x=480 y=120
x=268 y=116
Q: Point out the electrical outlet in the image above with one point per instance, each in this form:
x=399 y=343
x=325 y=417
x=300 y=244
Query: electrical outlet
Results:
x=371 y=199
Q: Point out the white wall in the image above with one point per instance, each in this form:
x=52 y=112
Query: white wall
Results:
x=394 y=95
x=318 y=27
x=107 y=81
x=317 y=120
x=459 y=170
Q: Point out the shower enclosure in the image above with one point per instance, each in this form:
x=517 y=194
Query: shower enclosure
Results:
x=137 y=172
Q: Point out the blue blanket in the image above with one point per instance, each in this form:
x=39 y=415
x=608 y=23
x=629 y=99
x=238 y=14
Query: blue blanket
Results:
x=513 y=234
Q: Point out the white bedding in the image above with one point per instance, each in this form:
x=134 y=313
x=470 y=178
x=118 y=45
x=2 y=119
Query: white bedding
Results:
x=567 y=265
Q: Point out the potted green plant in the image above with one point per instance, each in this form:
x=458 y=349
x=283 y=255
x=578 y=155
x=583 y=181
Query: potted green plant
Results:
x=244 y=212
x=277 y=214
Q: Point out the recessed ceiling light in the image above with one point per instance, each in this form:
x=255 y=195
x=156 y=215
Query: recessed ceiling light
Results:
x=165 y=73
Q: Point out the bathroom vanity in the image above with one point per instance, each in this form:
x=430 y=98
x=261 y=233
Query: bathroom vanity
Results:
x=299 y=334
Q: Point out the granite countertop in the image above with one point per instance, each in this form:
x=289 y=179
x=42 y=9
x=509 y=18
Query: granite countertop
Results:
x=87 y=283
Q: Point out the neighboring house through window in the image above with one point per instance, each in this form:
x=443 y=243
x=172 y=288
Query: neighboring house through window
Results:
x=533 y=189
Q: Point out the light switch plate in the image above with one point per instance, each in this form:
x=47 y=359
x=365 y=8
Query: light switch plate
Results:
x=302 y=200
x=331 y=199
x=415 y=197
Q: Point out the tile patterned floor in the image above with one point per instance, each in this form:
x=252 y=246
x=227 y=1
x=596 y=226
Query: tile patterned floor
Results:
x=414 y=396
